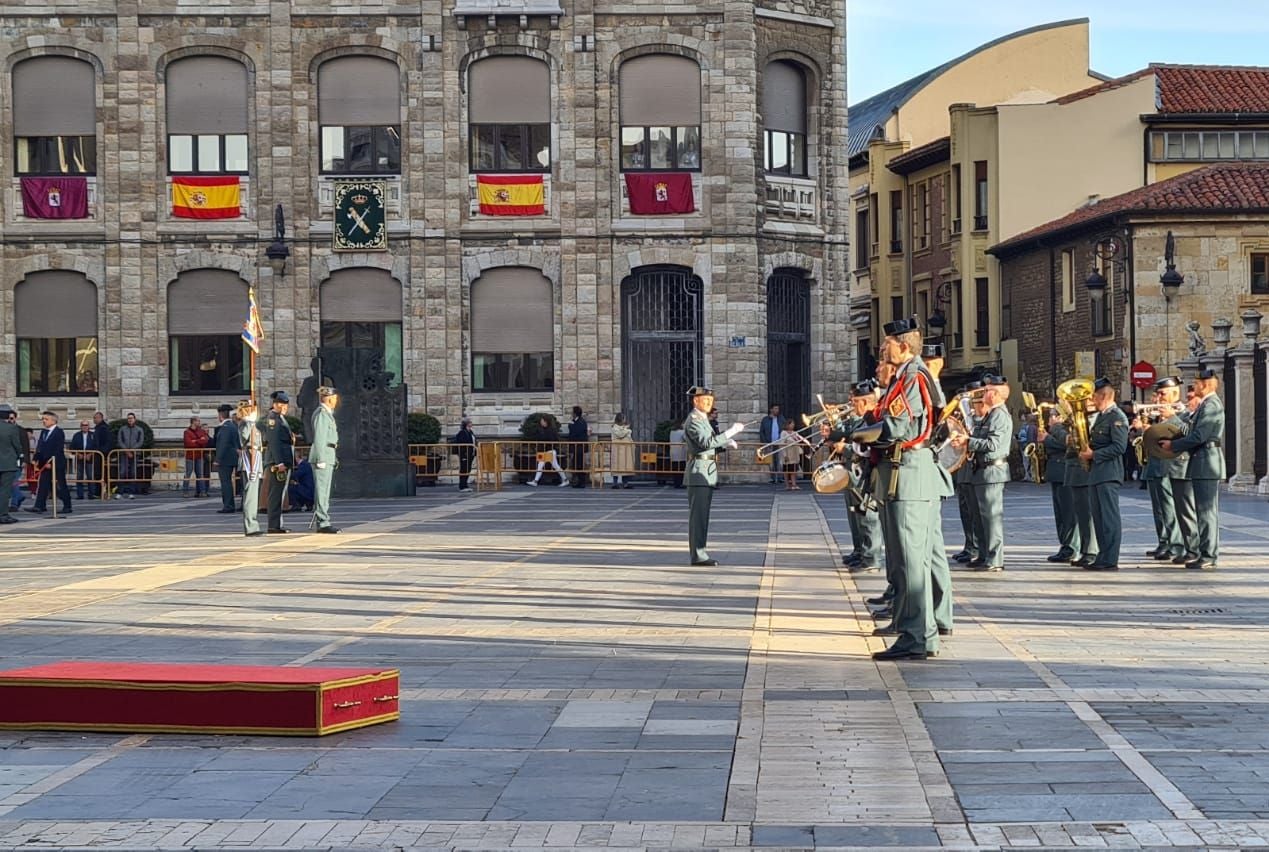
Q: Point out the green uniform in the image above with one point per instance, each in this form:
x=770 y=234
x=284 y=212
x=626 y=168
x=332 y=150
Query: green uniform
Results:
x=701 y=478
x=940 y=570
x=1063 y=508
x=250 y=462
x=865 y=527
x=1081 y=500
x=1183 y=493
x=989 y=471
x=13 y=452
x=1108 y=436
x=909 y=490
x=1206 y=470
x=322 y=458
x=964 y=502
x=279 y=449
x=1158 y=475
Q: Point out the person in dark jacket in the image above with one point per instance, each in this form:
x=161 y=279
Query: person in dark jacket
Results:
x=578 y=434
x=227 y=442
x=51 y=446
x=279 y=456
x=13 y=456
x=84 y=445
x=465 y=446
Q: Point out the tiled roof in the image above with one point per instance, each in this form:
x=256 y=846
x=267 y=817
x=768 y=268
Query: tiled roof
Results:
x=1116 y=83
x=920 y=157
x=1223 y=187
x=1212 y=88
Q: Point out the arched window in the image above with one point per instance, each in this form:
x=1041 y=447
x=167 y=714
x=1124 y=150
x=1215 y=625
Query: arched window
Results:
x=512 y=331
x=207 y=116
x=784 y=118
x=205 y=312
x=359 y=108
x=660 y=113
x=55 y=322
x=55 y=116
x=361 y=308
x=509 y=114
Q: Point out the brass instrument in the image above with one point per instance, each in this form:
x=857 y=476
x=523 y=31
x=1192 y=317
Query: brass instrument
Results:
x=954 y=420
x=1035 y=451
x=1073 y=396
x=1158 y=409
x=827 y=411
x=1139 y=450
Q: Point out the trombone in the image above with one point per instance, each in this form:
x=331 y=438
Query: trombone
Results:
x=828 y=411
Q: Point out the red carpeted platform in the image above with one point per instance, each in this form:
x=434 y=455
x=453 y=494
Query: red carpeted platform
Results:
x=196 y=698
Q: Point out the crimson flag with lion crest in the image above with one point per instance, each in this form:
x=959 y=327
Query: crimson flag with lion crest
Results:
x=660 y=193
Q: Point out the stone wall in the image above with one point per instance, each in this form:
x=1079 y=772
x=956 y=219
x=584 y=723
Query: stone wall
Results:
x=132 y=249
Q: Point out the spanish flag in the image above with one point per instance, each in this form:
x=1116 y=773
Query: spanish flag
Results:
x=511 y=195
x=206 y=197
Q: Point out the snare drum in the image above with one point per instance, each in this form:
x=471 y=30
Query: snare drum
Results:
x=831 y=477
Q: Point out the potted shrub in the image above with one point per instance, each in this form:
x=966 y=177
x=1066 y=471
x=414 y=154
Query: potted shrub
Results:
x=421 y=428
x=526 y=458
x=145 y=464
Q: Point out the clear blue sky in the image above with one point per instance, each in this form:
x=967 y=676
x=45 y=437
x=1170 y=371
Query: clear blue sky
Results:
x=892 y=40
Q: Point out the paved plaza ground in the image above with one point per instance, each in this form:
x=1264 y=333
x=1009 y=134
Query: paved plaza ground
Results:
x=568 y=680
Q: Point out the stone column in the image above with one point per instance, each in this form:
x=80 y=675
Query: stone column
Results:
x=1244 y=479
x=1215 y=361
x=1188 y=368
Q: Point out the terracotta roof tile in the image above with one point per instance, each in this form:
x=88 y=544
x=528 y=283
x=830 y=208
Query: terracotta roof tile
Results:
x=1212 y=88
x=1116 y=83
x=1223 y=187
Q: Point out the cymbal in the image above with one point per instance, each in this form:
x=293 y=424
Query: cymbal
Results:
x=1160 y=432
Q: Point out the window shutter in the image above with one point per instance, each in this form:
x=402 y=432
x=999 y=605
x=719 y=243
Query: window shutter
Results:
x=55 y=304
x=206 y=95
x=660 y=90
x=361 y=295
x=359 y=91
x=784 y=98
x=512 y=310
x=509 y=90
x=54 y=96
x=206 y=301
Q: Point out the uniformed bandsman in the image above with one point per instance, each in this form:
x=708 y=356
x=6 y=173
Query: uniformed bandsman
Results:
x=910 y=485
x=1077 y=471
x=884 y=374
x=962 y=480
x=1054 y=440
x=322 y=456
x=250 y=466
x=861 y=508
x=932 y=359
x=989 y=471
x=1158 y=475
x=279 y=455
x=1206 y=468
x=701 y=475
x=1107 y=440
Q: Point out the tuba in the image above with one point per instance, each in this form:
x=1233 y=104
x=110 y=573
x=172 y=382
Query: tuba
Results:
x=1073 y=396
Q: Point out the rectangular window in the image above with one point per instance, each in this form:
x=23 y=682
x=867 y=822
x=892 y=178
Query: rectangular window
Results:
x=60 y=365
x=786 y=153
x=361 y=150
x=981 y=201
x=531 y=371
x=982 y=313
x=956 y=199
x=874 y=216
x=861 y=238
x=957 y=319
x=1260 y=274
x=896 y=308
x=920 y=216
x=896 y=221
x=56 y=155
x=369 y=335
x=510 y=147
x=207 y=363
x=1068 y=281
x=1102 y=311
x=660 y=148
x=207 y=154
x=925 y=214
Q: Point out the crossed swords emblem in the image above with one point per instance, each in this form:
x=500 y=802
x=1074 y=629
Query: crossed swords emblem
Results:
x=359 y=221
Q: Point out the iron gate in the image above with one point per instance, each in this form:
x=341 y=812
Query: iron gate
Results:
x=1230 y=439
x=789 y=342
x=1261 y=462
x=662 y=347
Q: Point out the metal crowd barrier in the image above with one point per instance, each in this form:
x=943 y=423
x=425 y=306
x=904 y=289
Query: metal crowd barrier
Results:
x=145 y=471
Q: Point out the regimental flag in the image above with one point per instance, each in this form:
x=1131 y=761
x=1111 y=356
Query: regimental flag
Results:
x=252 y=330
x=55 y=197
x=206 y=197
x=660 y=193
x=511 y=195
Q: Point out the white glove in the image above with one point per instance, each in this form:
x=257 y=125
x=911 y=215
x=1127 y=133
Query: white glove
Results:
x=734 y=430
x=732 y=445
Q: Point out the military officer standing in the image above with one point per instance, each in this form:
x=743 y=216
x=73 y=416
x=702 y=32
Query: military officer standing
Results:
x=962 y=480
x=861 y=509
x=279 y=455
x=1206 y=469
x=250 y=466
x=1158 y=475
x=322 y=457
x=13 y=458
x=1077 y=471
x=1054 y=440
x=989 y=471
x=1107 y=442
x=701 y=475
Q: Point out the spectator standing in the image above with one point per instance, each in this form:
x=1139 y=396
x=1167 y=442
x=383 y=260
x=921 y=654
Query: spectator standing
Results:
x=13 y=446
x=228 y=444
x=105 y=440
x=769 y=433
x=791 y=446
x=578 y=435
x=196 y=441
x=465 y=446
x=1132 y=470
x=547 y=453
x=622 y=452
x=51 y=447
x=84 y=444
x=130 y=438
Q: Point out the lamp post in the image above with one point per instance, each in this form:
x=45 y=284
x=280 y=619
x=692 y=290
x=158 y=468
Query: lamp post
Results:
x=1110 y=251
x=1171 y=282
x=937 y=320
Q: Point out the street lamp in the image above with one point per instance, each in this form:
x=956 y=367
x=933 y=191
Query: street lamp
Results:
x=1171 y=281
x=937 y=320
x=277 y=252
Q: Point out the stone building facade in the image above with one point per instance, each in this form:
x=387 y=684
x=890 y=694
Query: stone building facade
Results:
x=747 y=292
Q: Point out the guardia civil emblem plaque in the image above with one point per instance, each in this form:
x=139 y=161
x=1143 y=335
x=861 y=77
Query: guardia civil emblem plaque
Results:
x=359 y=217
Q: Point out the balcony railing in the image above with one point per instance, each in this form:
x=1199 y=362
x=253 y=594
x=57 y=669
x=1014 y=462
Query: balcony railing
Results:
x=391 y=191
x=980 y=223
x=792 y=199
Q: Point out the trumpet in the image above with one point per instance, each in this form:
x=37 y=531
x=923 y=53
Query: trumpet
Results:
x=1158 y=409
